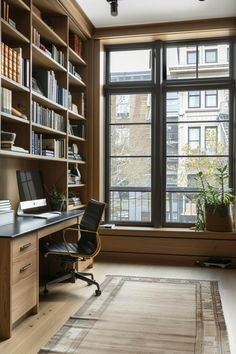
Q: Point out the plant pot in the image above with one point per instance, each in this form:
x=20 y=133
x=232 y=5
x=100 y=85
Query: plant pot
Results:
x=218 y=217
x=57 y=204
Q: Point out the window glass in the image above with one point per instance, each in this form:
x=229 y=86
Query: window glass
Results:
x=194 y=137
x=194 y=99
x=130 y=206
x=130 y=108
x=211 y=55
x=132 y=172
x=191 y=57
x=177 y=61
x=211 y=98
x=213 y=60
x=125 y=140
x=131 y=65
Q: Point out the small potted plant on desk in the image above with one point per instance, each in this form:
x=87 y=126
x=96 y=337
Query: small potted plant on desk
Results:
x=57 y=200
x=214 y=204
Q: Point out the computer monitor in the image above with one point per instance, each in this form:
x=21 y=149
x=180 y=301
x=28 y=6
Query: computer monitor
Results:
x=31 y=190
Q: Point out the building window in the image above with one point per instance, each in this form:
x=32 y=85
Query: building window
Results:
x=194 y=99
x=211 y=98
x=211 y=140
x=191 y=57
x=210 y=56
x=194 y=137
x=122 y=106
x=161 y=132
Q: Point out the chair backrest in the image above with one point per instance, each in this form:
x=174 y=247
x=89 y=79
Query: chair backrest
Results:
x=90 y=221
x=92 y=215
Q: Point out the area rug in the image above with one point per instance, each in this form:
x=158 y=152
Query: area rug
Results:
x=141 y=315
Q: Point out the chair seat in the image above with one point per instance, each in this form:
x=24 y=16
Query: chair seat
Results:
x=74 y=248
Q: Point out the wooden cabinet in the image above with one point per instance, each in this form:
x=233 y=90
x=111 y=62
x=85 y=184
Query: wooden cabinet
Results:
x=44 y=76
x=19 y=280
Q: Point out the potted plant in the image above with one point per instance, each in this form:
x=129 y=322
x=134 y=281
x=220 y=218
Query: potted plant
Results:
x=57 y=200
x=214 y=204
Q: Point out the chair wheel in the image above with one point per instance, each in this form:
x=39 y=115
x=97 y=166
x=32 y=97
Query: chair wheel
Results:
x=98 y=292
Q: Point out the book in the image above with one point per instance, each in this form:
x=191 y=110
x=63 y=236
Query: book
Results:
x=6 y=217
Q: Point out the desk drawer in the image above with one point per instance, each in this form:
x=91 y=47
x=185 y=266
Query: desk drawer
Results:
x=24 y=266
x=22 y=245
x=24 y=296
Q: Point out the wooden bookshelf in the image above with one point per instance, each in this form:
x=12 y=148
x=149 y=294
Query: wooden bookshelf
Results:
x=53 y=25
x=44 y=61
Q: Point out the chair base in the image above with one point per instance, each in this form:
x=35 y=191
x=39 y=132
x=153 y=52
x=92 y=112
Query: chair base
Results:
x=73 y=275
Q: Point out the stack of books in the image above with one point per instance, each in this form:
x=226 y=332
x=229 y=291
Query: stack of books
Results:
x=73 y=179
x=7 y=142
x=41 y=145
x=73 y=71
x=75 y=43
x=72 y=155
x=74 y=199
x=6 y=212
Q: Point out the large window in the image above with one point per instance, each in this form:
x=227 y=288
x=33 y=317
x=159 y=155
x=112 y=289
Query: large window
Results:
x=164 y=126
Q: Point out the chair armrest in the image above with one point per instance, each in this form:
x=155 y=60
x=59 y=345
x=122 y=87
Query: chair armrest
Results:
x=65 y=240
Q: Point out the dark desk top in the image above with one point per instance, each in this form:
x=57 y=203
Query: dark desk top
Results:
x=23 y=225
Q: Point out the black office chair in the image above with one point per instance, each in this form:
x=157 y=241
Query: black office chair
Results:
x=87 y=246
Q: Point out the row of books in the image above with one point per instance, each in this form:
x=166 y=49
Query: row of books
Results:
x=5 y=14
x=13 y=65
x=47 y=117
x=48 y=48
x=75 y=43
x=48 y=86
x=6 y=100
x=6 y=212
x=73 y=71
x=42 y=145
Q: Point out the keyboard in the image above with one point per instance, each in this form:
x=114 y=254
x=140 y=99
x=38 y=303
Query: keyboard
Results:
x=47 y=215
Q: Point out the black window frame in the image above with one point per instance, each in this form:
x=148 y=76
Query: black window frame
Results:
x=159 y=88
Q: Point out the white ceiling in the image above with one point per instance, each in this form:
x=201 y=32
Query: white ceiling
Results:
x=154 y=11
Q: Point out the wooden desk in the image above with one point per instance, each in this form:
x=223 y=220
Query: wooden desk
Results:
x=19 y=265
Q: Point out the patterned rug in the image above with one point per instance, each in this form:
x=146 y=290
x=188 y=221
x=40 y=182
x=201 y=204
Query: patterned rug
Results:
x=141 y=315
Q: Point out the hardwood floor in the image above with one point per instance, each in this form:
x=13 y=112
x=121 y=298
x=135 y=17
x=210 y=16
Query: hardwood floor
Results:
x=64 y=299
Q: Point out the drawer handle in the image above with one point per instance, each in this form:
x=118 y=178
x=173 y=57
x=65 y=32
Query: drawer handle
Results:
x=25 y=267
x=25 y=246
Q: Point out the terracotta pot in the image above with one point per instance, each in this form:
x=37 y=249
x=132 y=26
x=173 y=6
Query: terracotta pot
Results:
x=218 y=218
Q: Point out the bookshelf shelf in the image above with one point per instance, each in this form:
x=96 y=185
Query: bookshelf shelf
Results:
x=80 y=162
x=11 y=118
x=18 y=4
x=73 y=81
x=12 y=34
x=74 y=207
x=76 y=185
x=47 y=32
x=44 y=129
x=76 y=58
x=73 y=115
x=46 y=102
x=44 y=61
x=75 y=138
x=13 y=154
x=13 y=85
